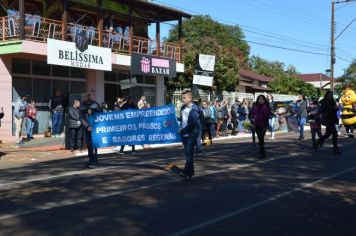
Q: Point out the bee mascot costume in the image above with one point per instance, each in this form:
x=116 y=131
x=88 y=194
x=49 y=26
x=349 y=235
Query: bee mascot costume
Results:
x=348 y=115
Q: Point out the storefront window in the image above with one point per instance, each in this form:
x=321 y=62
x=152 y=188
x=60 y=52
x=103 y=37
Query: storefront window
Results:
x=78 y=73
x=42 y=96
x=60 y=71
x=21 y=66
x=41 y=68
x=21 y=86
x=110 y=76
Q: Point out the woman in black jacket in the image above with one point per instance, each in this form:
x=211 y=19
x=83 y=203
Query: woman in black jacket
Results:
x=328 y=109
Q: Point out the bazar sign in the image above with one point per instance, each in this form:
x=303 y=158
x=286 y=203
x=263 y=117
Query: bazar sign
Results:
x=149 y=65
x=78 y=54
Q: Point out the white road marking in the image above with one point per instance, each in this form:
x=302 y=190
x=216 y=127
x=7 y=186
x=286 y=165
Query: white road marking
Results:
x=261 y=203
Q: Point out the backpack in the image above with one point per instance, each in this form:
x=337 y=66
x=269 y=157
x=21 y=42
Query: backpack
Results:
x=207 y=113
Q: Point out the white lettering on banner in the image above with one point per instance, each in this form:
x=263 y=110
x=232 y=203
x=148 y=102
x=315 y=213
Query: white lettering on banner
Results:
x=116 y=128
x=149 y=126
x=162 y=137
x=131 y=138
x=133 y=114
x=66 y=54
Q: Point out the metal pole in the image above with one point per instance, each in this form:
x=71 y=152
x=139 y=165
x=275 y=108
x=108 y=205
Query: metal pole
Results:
x=332 y=48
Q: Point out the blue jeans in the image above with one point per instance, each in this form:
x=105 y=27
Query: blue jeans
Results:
x=301 y=123
x=29 y=127
x=271 y=123
x=57 y=122
x=213 y=129
x=241 y=125
x=199 y=144
x=189 y=144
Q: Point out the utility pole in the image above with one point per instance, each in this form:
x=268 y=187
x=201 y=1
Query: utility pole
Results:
x=332 y=48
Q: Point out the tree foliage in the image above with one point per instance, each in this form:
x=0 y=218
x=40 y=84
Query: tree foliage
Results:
x=285 y=81
x=203 y=35
x=348 y=78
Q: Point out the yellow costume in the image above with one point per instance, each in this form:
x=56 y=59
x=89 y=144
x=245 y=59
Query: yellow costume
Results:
x=348 y=115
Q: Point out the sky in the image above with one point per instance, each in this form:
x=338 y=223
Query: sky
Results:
x=302 y=25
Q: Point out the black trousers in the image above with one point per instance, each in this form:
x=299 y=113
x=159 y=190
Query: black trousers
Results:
x=76 y=138
x=123 y=147
x=92 y=152
x=330 y=130
x=349 y=129
x=261 y=131
x=207 y=130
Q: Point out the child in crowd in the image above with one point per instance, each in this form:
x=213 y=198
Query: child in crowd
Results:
x=314 y=120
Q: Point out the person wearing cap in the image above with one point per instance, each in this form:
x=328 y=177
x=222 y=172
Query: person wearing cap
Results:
x=19 y=113
x=89 y=107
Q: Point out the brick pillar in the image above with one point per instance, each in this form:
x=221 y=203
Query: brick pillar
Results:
x=6 y=98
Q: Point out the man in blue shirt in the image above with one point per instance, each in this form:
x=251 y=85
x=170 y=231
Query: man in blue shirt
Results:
x=189 y=131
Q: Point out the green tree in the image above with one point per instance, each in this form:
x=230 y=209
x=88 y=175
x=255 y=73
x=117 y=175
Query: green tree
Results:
x=348 y=78
x=203 y=35
x=284 y=81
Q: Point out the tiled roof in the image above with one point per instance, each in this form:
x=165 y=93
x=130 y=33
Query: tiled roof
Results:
x=254 y=76
x=314 y=77
x=148 y=5
x=255 y=87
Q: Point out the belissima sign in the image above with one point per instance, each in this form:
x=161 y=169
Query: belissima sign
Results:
x=78 y=54
x=142 y=64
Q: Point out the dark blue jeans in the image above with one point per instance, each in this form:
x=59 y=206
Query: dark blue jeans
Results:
x=189 y=144
x=29 y=127
x=213 y=129
x=57 y=122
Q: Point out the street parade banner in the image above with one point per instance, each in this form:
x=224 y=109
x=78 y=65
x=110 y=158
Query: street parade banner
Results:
x=156 y=125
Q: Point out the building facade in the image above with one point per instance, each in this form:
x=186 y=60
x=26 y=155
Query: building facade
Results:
x=83 y=46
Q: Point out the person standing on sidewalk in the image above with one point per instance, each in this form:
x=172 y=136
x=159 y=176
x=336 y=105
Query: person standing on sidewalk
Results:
x=243 y=114
x=260 y=116
x=213 y=119
x=189 y=131
x=31 y=112
x=235 y=116
x=142 y=103
x=57 y=105
x=328 y=109
x=302 y=115
x=75 y=126
x=19 y=113
x=89 y=107
x=207 y=123
x=273 y=117
x=252 y=128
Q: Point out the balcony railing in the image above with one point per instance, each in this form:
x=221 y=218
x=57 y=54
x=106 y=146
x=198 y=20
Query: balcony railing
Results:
x=39 y=29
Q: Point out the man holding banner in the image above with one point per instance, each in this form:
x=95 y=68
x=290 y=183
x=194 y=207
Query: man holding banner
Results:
x=189 y=131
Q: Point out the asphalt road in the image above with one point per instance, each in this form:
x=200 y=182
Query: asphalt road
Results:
x=295 y=191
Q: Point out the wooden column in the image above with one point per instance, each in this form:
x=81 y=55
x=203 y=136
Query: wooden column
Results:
x=22 y=19
x=101 y=22
x=131 y=31
x=158 y=37
x=65 y=19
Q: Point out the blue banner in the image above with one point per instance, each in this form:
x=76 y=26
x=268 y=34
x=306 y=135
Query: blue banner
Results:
x=156 y=125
